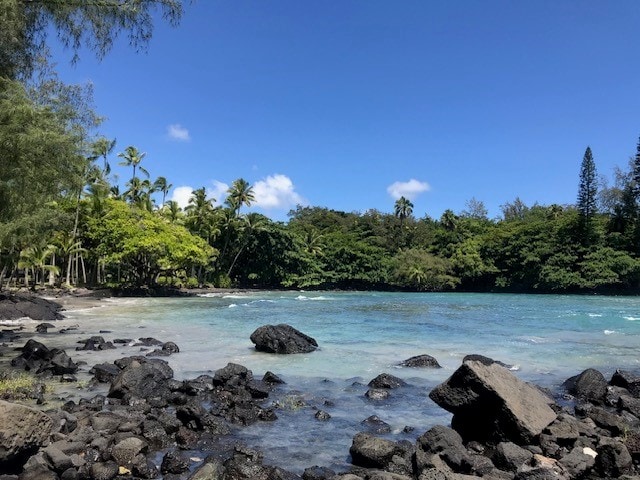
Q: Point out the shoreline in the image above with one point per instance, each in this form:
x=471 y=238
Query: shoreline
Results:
x=88 y=301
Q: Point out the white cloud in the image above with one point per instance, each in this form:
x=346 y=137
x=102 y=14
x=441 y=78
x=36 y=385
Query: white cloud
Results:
x=409 y=190
x=219 y=191
x=178 y=132
x=182 y=195
x=276 y=191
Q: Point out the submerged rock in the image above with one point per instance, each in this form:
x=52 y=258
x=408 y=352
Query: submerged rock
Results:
x=421 y=361
x=282 y=339
x=385 y=380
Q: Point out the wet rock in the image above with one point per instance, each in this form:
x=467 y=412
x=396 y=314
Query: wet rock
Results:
x=490 y=404
x=43 y=327
x=232 y=375
x=175 y=462
x=372 y=452
x=375 y=425
x=627 y=380
x=104 y=372
x=142 y=380
x=318 y=473
x=246 y=464
x=590 y=385
x=421 y=361
x=211 y=469
x=22 y=431
x=377 y=394
x=272 y=379
x=385 y=380
x=148 y=342
x=475 y=357
x=282 y=339
x=36 y=357
x=322 y=415
x=95 y=343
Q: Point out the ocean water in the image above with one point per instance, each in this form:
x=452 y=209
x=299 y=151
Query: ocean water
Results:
x=545 y=339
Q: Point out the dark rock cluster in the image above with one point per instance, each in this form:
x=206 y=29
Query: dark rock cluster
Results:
x=146 y=411
x=13 y=307
x=149 y=424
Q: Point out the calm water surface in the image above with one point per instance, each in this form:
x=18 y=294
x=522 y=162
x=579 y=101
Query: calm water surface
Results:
x=545 y=338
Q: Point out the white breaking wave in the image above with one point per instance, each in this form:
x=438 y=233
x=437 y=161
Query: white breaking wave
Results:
x=304 y=298
x=609 y=332
x=632 y=319
x=233 y=305
x=595 y=314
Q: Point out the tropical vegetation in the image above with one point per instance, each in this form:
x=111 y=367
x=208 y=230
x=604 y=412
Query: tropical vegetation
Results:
x=66 y=221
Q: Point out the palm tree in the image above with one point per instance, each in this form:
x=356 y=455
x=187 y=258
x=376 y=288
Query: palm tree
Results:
x=71 y=250
x=172 y=211
x=102 y=147
x=403 y=208
x=35 y=258
x=161 y=185
x=200 y=214
x=312 y=242
x=240 y=192
x=132 y=158
x=252 y=223
x=449 y=220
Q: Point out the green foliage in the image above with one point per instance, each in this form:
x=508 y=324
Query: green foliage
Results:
x=587 y=195
x=78 y=23
x=140 y=244
x=419 y=270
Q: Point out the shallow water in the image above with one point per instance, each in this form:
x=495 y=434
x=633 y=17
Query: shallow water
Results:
x=545 y=338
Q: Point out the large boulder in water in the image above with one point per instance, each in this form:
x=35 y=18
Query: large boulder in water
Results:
x=490 y=404
x=282 y=339
x=22 y=431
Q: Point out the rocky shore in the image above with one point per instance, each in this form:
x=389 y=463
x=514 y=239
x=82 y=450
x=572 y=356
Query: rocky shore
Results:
x=149 y=425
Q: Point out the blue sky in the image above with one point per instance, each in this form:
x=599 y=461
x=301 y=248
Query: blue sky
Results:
x=348 y=104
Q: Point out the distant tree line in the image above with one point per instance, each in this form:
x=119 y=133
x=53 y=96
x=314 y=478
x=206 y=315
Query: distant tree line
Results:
x=65 y=220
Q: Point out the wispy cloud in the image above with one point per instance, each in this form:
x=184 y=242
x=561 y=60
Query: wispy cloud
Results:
x=218 y=191
x=276 y=192
x=409 y=190
x=178 y=132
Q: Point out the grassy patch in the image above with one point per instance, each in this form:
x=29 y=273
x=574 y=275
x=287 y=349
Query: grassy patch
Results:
x=19 y=386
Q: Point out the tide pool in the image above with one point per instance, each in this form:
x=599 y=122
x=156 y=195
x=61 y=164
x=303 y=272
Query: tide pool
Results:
x=544 y=338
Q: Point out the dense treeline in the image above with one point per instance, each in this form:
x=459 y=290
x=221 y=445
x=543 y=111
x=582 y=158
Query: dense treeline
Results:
x=64 y=220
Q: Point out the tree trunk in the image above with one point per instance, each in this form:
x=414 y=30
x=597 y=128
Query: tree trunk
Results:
x=84 y=271
x=2 y=274
x=52 y=274
x=69 y=270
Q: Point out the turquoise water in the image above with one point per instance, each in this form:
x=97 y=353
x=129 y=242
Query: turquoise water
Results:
x=545 y=338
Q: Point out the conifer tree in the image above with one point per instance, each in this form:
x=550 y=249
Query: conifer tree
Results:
x=587 y=194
